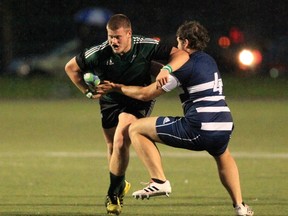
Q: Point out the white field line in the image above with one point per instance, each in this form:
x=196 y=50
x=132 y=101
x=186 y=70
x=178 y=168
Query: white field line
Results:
x=92 y=154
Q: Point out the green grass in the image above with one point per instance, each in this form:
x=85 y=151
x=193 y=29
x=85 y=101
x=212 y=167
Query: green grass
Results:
x=52 y=162
x=255 y=87
x=61 y=87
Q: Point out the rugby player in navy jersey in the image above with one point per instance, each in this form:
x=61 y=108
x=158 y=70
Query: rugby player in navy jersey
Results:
x=207 y=123
x=124 y=58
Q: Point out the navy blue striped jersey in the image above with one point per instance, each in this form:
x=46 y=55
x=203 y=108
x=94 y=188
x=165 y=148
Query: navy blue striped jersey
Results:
x=202 y=98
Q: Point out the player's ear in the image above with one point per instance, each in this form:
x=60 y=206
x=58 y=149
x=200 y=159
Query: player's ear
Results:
x=185 y=43
x=129 y=32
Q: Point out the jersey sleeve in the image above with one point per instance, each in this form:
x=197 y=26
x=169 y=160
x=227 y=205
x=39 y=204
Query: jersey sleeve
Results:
x=80 y=59
x=163 y=51
x=172 y=83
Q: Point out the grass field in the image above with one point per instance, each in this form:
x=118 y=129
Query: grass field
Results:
x=52 y=162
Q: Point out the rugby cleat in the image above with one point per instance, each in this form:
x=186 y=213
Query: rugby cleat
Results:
x=153 y=189
x=124 y=192
x=243 y=210
x=113 y=206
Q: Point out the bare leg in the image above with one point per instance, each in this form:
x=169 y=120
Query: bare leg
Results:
x=109 y=136
x=121 y=143
x=229 y=176
x=143 y=134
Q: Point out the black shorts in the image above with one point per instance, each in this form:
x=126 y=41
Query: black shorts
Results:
x=176 y=132
x=110 y=110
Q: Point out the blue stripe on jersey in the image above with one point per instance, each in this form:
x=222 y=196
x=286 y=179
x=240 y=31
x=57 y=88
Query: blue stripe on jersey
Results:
x=203 y=102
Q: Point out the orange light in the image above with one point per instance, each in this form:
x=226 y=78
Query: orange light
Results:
x=224 y=42
x=257 y=56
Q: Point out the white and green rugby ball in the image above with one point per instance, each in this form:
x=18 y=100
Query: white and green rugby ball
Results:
x=91 y=79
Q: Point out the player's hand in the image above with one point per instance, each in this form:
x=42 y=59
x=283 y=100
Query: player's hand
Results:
x=92 y=94
x=107 y=86
x=99 y=90
x=104 y=87
x=162 y=78
x=96 y=96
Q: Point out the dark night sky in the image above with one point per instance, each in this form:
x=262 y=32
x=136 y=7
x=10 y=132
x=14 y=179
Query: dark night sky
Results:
x=50 y=21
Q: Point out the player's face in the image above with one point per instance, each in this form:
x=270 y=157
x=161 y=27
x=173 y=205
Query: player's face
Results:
x=120 y=40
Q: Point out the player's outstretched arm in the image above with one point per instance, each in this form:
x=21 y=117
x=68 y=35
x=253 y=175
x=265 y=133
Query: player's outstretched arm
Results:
x=137 y=92
x=142 y=93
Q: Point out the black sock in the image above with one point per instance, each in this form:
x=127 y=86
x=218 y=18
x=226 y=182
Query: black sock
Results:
x=117 y=183
x=158 y=181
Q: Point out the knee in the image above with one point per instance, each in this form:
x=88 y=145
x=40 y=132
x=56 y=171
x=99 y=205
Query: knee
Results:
x=121 y=144
x=133 y=130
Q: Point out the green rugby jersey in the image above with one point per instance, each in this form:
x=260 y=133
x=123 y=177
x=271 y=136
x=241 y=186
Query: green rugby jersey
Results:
x=132 y=68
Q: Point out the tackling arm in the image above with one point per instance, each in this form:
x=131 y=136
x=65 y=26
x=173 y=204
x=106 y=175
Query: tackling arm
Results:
x=142 y=93
x=146 y=93
x=138 y=92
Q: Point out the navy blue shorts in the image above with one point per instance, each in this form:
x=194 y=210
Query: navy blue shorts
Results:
x=178 y=133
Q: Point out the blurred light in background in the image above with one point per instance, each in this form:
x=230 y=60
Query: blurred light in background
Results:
x=257 y=57
x=236 y=35
x=224 y=42
x=249 y=58
x=238 y=54
x=274 y=72
x=93 y=16
x=246 y=57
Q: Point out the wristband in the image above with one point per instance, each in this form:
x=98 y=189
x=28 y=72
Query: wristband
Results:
x=89 y=94
x=168 y=67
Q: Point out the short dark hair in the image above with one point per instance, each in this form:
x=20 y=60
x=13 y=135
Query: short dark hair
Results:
x=195 y=33
x=117 y=21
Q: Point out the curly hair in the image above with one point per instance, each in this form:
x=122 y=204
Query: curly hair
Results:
x=195 y=33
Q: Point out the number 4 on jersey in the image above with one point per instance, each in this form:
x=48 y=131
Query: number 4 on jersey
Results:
x=218 y=84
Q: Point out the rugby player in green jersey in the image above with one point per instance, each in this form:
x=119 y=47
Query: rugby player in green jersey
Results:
x=126 y=59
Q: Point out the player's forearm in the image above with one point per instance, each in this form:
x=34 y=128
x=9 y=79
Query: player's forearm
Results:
x=135 y=92
x=141 y=93
x=75 y=74
x=78 y=81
